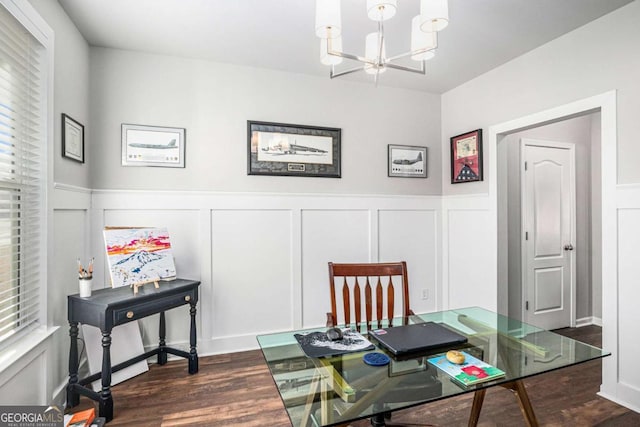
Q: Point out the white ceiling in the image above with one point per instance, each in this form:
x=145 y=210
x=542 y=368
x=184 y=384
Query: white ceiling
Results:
x=279 y=34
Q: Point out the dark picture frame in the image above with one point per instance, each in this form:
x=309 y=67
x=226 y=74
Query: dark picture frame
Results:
x=406 y=161
x=283 y=149
x=466 y=157
x=72 y=139
x=158 y=146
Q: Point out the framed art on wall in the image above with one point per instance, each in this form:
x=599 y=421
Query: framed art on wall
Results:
x=466 y=157
x=407 y=161
x=152 y=146
x=72 y=139
x=292 y=150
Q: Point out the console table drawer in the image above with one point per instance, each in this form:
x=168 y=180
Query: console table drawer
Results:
x=138 y=311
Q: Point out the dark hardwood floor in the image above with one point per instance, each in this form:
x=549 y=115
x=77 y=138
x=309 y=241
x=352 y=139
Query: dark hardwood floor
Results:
x=237 y=390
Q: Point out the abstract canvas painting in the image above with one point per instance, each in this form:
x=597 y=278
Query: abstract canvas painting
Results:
x=138 y=255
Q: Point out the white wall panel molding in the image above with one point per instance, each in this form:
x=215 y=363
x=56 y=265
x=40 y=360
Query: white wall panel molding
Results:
x=468 y=249
x=249 y=248
x=413 y=236
x=69 y=240
x=26 y=363
x=628 y=196
x=115 y=199
x=628 y=378
x=70 y=197
x=69 y=187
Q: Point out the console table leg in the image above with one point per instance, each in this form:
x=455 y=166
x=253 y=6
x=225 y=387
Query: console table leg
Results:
x=162 y=352
x=106 y=400
x=73 y=398
x=193 y=354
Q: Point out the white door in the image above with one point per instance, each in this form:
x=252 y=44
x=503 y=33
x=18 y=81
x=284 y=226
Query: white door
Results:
x=548 y=221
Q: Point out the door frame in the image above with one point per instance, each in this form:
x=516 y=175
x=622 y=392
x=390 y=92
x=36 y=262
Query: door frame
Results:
x=606 y=104
x=572 y=231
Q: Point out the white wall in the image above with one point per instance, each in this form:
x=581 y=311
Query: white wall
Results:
x=213 y=101
x=597 y=58
x=591 y=60
x=71 y=89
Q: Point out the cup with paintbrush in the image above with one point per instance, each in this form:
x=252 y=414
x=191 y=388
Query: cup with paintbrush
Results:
x=85 y=279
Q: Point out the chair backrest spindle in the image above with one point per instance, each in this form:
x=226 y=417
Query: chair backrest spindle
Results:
x=346 y=302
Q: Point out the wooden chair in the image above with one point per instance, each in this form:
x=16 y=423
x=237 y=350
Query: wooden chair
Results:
x=363 y=286
x=360 y=282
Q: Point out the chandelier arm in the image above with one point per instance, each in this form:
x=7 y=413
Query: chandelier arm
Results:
x=351 y=56
x=420 y=70
x=413 y=52
x=333 y=73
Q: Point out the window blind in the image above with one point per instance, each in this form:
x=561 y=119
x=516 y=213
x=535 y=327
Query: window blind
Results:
x=21 y=179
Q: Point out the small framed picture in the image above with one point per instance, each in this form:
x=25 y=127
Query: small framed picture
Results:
x=72 y=139
x=292 y=150
x=152 y=146
x=407 y=161
x=466 y=157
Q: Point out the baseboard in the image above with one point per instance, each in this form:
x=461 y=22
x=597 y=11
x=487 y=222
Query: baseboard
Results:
x=629 y=405
x=586 y=321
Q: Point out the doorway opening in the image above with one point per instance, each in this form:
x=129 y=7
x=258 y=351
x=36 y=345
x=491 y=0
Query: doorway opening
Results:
x=603 y=213
x=548 y=187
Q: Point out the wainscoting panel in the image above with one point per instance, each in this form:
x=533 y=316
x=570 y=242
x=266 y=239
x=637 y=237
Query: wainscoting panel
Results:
x=184 y=229
x=69 y=239
x=628 y=297
x=69 y=243
x=251 y=264
x=30 y=371
x=412 y=236
x=470 y=263
x=262 y=258
x=329 y=236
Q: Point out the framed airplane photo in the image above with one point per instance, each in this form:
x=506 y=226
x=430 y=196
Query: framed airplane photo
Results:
x=152 y=146
x=292 y=150
x=407 y=161
x=466 y=157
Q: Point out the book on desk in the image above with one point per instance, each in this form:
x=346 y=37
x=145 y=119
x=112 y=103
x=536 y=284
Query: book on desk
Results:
x=471 y=371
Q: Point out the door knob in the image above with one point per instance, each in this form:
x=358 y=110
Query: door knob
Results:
x=568 y=247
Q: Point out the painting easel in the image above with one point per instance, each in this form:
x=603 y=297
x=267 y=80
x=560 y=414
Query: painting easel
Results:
x=135 y=286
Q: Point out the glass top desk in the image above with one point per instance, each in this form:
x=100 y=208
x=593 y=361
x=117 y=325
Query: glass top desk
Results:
x=340 y=389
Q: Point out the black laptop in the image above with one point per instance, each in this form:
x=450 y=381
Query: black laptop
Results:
x=402 y=340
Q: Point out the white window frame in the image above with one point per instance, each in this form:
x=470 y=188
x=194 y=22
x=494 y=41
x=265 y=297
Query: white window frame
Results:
x=33 y=22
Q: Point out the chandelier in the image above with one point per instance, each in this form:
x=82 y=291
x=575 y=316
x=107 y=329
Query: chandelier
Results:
x=433 y=17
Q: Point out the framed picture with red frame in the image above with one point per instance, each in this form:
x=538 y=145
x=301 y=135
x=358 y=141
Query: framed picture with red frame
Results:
x=466 y=157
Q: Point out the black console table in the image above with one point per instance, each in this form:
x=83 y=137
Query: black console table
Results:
x=107 y=308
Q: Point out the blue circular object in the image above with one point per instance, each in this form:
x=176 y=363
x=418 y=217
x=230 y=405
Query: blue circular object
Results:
x=376 y=359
